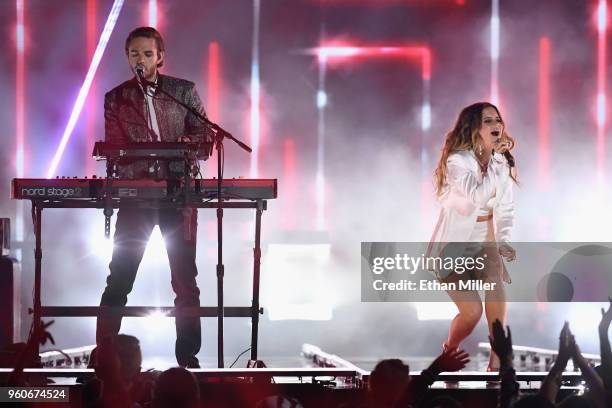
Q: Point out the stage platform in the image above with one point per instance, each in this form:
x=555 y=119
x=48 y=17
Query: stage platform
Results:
x=315 y=378
x=313 y=387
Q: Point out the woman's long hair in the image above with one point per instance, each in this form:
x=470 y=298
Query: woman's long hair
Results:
x=465 y=136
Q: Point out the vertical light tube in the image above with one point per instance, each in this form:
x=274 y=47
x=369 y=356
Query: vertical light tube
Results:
x=320 y=173
x=426 y=75
x=289 y=184
x=544 y=114
x=255 y=93
x=82 y=96
x=602 y=20
x=494 y=52
x=152 y=13
x=213 y=81
x=425 y=171
x=91 y=37
x=20 y=111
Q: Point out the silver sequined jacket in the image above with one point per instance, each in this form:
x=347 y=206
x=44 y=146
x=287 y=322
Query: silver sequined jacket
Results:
x=125 y=121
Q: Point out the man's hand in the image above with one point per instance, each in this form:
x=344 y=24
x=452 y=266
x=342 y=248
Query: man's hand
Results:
x=507 y=252
x=501 y=343
x=450 y=360
x=186 y=139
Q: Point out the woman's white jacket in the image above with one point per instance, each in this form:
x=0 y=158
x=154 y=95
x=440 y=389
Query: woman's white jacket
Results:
x=466 y=190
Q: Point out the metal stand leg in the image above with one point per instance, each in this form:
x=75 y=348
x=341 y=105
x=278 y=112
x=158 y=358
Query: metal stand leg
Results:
x=36 y=313
x=220 y=273
x=254 y=362
x=220 y=266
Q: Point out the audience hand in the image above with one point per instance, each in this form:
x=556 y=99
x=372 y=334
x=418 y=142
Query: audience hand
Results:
x=565 y=346
x=500 y=343
x=606 y=318
x=450 y=360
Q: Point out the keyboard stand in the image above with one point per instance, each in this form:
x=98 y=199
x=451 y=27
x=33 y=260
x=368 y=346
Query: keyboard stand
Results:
x=252 y=311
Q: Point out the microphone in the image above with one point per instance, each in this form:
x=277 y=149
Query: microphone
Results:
x=507 y=153
x=140 y=74
x=510 y=158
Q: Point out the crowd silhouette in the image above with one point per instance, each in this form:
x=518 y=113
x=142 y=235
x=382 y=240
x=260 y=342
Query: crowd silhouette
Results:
x=119 y=381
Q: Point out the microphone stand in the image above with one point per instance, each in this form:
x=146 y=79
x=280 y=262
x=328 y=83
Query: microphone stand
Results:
x=111 y=165
x=220 y=134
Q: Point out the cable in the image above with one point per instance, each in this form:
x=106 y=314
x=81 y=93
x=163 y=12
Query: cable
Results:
x=239 y=355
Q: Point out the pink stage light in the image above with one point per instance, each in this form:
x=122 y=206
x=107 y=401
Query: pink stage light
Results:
x=495 y=52
x=290 y=183
x=213 y=81
x=255 y=93
x=91 y=36
x=152 y=14
x=386 y=3
x=20 y=89
x=333 y=54
x=20 y=46
x=544 y=114
x=601 y=102
x=78 y=105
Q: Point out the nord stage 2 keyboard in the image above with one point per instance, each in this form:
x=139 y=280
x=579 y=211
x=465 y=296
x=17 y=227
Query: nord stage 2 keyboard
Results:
x=143 y=189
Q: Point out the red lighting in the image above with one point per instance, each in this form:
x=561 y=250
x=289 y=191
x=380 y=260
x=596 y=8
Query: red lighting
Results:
x=289 y=184
x=334 y=52
x=601 y=107
x=213 y=81
x=384 y=3
x=20 y=88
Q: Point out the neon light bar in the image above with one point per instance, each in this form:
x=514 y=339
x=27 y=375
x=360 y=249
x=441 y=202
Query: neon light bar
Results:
x=255 y=93
x=152 y=13
x=544 y=113
x=601 y=107
x=78 y=105
x=20 y=110
x=494 y=51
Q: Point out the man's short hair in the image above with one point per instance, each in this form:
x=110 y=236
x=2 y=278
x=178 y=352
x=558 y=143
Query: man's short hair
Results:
x=387 y=374
x=146 y=32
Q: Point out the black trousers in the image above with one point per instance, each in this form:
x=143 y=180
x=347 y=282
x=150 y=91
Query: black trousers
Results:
x=132 y=231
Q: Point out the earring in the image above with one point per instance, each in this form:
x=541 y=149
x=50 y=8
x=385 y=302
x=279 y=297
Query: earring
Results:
x=480 y=149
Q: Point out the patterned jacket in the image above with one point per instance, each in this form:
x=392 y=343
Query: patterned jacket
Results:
x=125 y=121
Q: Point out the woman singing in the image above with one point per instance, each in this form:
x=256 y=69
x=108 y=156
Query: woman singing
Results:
x=473 y=182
